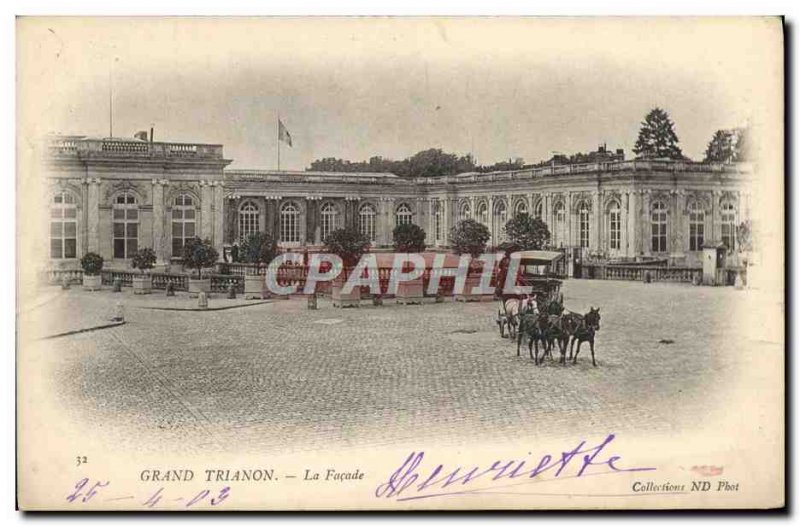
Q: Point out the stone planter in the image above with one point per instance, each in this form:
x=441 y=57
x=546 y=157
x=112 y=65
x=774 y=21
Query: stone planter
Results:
x=143 y=284
x=196 y=286
x=254 y=287
x=467 y=295
x=410 y=292
x=92 y=282
x=352 y=299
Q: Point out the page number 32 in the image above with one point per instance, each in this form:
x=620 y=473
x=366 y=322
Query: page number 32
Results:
x=82 y=459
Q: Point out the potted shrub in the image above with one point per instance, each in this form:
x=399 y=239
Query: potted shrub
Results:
x=92 y=264
x=199 y=254
x=258 y=249
x=470 y=237
x=409 y=238
x=349 y=244
x=144 y=259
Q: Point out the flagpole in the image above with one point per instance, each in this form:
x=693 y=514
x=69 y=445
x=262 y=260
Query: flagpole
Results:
x=279 y=142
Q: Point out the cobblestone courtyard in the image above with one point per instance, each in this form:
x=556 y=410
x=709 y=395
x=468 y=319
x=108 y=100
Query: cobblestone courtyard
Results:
x=276 y=376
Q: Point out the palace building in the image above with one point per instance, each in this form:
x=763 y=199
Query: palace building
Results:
x=113 y=196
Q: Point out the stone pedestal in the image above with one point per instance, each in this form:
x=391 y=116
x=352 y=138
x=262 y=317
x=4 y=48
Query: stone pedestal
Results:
x=196 y=286
x=410 y=292
x=92 y=282
x=254 y=287
x=143 y=284
x=351 y=299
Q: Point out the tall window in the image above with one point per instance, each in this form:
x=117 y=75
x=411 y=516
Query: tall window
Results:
x=248 y=220
x=403 y=215
x=483 y=213
x=583 y=225
x=537 y=210
x=63 y=227
x=437 y=220
x=614 y=227
x=328 y=214
x=728 y=220
x=500 y=218
x=522 y=208
x=560 y=216
x=366 y=221
x=658 y=226
x=290 y=223
x=464 y=212
x=697 y=219
x=183 y=222
x=126 y=225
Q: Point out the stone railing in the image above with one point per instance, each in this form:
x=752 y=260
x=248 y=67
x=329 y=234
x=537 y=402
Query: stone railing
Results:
x=82 y=147
x=221 y=282
x=57 y=276
x=638 y=272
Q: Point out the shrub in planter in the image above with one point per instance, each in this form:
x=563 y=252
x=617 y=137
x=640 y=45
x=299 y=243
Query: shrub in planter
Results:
x=408 y=238
x=92 y=264
x=259 y=249
x=197 y=255
x=349 y=244
x=470 y=237
x=144 y=259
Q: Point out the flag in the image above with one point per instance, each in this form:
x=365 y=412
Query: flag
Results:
x=283 y=133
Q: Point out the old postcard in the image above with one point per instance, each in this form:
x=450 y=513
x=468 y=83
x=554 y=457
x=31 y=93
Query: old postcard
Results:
x=400 y=263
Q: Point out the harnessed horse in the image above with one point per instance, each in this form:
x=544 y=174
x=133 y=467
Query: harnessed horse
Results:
x=510 y=314
x=534 y=325
x=584 y=331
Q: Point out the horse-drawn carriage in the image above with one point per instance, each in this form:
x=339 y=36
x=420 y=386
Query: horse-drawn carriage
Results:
x=541 y=270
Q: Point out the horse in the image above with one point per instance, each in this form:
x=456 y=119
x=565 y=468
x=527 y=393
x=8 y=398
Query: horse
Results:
x=590 y=324
x=533 y=324
x=510 y=313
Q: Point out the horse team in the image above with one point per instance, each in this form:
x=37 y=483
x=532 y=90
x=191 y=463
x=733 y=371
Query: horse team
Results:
x=544 y=322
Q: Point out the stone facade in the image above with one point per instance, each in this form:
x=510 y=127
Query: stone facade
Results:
x=619 y=209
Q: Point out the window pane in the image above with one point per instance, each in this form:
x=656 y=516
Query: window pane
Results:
x=177 y=230
x=133 y=213
x=70 y=248
x=189 y=229
x=177 y=213
x=68 y=199
x=57 y=198
x=119 y=229
x=131 y=200
x=189 y=213
x=55 y=229
x=133 y=230
x=55 y=248
x=70 y=229
x=176 y=247
x=119 y=213
x=119 y=248
x=132 y=244
x=56 y=212
x=71 y=213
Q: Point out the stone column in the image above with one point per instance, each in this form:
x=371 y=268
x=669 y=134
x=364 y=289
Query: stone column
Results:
x=645 y=230
x=93 y=215
x=159 y=221
x=312 y=220
x=596 y=230
x=568 y=217
x=633 y=219
x=218 y=213
x=206 y=193
x=716 y=225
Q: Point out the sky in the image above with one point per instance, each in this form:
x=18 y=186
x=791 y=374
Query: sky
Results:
x=356 y=87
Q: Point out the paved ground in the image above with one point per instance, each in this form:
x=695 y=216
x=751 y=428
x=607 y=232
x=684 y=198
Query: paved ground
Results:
x=279 y=377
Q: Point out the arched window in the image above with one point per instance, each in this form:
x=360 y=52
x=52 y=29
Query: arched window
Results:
x=126 y=225
x=728 y=224
x=537 y=210
x=63 y=226
x=328 y=216
x=658 y=226
x=614 y=226
x=500 y=218
x=403 y=215
x=437 y=220
x=583 y=224
x=464 y=212
x=483 y=213
x=366 y=221
x=249 y=215
x=521 y=208
x=697 y=220
x=560 y=220
x=183 y=222
x=290 y=223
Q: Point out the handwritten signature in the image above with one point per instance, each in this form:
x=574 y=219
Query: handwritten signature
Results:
x=410 y=481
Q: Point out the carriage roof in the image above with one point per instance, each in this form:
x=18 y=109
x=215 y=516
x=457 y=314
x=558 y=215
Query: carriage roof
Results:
x=539 y=257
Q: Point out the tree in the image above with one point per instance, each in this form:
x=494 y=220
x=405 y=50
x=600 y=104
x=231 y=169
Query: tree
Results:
x=347 y=243
x=469 y=237
x=144 y=259
x=199 y=254
x=721 y=147
x=527 y=233
x=408 y=238
x=657 y=138
x=259 y=248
